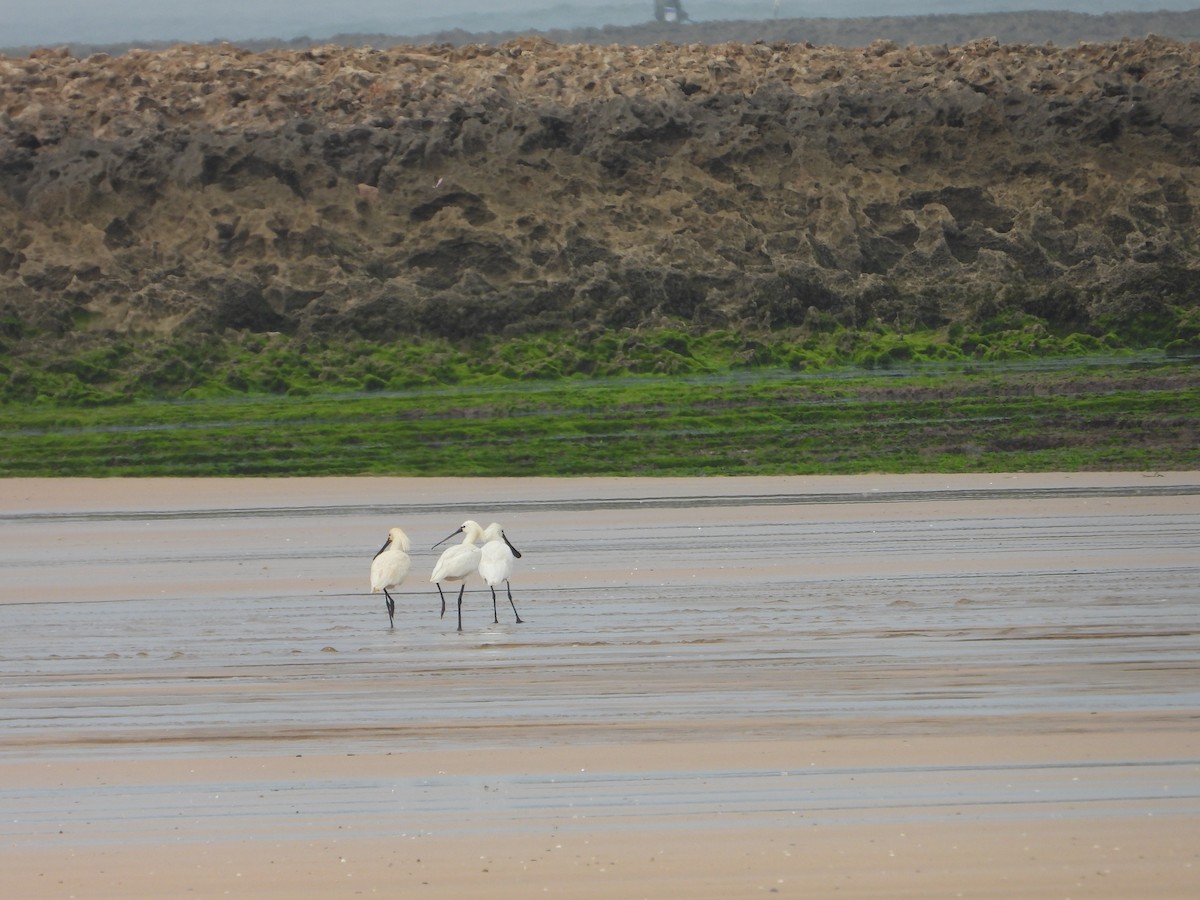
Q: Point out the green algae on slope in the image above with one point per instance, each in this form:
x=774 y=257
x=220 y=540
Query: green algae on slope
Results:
x=994 y=417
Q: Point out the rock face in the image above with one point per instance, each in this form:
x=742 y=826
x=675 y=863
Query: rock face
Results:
x=450 y=191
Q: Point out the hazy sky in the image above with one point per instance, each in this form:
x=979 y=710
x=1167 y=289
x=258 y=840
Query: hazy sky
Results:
x=49 y=22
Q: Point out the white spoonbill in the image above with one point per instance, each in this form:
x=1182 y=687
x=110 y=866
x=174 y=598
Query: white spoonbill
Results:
x=457 y=563
x=389 y=567
x=496 y=564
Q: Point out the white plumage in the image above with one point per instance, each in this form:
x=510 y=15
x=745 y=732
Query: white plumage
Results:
x=457 y=563
x=389 y=567
x=496 y=564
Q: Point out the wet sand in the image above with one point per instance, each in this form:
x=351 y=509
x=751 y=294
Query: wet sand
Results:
x=927 y=686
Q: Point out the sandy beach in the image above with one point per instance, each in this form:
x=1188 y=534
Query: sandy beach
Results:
x=879 y=686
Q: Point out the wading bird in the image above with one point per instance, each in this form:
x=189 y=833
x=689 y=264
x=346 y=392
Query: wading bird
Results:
x=389 y=567
x=457 y=563
x=496 y=564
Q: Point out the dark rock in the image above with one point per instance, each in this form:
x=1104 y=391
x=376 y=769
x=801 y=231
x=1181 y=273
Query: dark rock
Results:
x=453 y=191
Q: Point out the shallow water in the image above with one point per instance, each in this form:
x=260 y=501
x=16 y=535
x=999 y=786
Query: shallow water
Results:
x=223 y=626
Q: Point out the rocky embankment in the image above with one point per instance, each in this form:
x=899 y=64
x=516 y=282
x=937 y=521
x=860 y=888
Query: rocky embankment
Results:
x=443 y=190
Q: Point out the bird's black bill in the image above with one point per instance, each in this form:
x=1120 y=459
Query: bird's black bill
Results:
x=386 y=544
x=515 y=552
x=457 y=530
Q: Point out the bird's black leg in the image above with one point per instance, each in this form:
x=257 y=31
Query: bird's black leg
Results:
x=510 y=602
x=495 y=615
x=460 y=593
x=443 y=596
x=391 y=608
